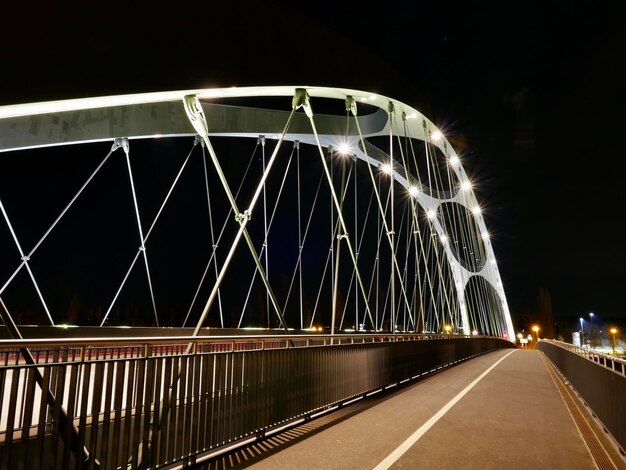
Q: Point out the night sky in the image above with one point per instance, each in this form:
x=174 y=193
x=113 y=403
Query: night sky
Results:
x=531 y=94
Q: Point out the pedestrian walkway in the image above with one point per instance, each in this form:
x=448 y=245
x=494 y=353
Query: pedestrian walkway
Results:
x=506 y=409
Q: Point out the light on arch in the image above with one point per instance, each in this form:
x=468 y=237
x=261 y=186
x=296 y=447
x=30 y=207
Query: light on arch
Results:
x=466 y=186
x=436 y=136
x=413 y=191
x=386 y=168
x=343 y=148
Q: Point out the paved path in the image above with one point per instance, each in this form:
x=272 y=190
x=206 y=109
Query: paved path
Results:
x=500 y=410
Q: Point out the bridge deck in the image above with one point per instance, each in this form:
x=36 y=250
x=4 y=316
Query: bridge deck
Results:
x=515 y=416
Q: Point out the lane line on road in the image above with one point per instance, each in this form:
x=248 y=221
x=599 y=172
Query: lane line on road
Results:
x=413 y=438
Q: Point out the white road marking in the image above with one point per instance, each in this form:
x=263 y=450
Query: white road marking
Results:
x=413 y=438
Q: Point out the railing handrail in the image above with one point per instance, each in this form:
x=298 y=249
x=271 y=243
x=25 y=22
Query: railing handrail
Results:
x=125 y=341
x=587 y=353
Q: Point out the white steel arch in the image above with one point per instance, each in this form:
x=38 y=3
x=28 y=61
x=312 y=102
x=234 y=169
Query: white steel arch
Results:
x=195 y=112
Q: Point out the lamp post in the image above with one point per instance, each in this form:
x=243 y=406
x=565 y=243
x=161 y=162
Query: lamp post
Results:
x=447 y=328
x=613 y=331
x=582 y=333
x=536 y=330
x=591 y=330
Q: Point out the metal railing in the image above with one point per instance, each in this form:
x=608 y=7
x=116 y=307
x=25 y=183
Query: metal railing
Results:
x=616 y=364
x=158 y=402
x=598 y=378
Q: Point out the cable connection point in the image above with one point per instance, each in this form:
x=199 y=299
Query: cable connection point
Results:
x=302 y=100
x=351 y=105
x=243 y=216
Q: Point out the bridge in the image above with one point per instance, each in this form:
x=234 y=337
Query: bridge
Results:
x=281 y=253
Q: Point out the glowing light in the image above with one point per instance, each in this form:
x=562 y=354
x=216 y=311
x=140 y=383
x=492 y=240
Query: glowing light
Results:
x=343 y=148
x=493 y=261
x=413 y=191
x=454 y=160
x=444 y=239
x=411 y=116
x=485 y=235
x=613 y=331
x=476 y=210
x=436 y=136
x=466 y=186
x=372 y=97
x=386 y=168
x=475 y=332
x=431 y=214
x=448 y=328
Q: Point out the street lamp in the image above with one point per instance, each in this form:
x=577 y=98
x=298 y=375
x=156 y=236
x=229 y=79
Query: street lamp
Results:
x=591 y=330
x=447 y=328
x=536 y=330
x=582 y=333
x=613 y=331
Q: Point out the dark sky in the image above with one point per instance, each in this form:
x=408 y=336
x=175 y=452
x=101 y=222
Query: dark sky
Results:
x=531 y=94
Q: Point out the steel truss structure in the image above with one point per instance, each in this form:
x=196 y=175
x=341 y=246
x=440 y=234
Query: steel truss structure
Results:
x=351 y=210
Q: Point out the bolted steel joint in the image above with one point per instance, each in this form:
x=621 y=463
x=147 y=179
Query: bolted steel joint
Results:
x=244 y=216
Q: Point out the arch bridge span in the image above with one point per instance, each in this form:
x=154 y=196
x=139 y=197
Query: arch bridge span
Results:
x=289 y=207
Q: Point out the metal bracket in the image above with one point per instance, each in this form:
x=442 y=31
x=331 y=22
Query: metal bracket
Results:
x=120 y=142
x=261 y=140
x=302 y=100
x=194 y=111
x=390 y=107
x=351 y=105
x=341 y=236
x=243 y=216
x=198 y=140
x=296 y=144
